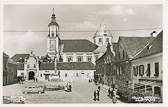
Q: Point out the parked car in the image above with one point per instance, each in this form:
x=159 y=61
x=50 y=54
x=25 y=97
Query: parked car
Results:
x=33 y=89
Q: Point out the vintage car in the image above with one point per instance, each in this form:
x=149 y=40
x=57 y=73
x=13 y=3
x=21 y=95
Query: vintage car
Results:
x=33 y=89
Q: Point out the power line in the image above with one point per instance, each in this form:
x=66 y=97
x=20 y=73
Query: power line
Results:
x=83 y=30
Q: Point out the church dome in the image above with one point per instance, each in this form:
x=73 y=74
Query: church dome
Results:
x=102 y=31
x=53 y=21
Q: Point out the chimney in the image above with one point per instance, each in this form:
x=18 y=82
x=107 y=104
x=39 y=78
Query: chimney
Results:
x=153 y=34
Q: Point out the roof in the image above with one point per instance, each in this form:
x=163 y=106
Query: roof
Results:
x=133 y=45
x=46 y=66
x=11 y=61
x=68 y=66
x=20 y=66
x=101 y=49
x=4 y=54
x=114 y=49
x=101 y=33
x=53 y=21
x=20 y=57
x=78 y=45
x=154 y=47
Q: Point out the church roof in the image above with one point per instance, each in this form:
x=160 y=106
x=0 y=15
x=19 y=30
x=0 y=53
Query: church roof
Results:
x=133 y=45
x=78 y=45
x=20 y=57
x=154 y=47
x=102 y=31
x=68 y=66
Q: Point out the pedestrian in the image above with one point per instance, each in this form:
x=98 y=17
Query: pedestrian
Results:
x=109 y=92
x=114 y=99
x=99 y=88
x=112 y=94
x=98 y=95
x=94 y=95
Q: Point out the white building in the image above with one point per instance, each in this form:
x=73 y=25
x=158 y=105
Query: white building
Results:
x=148 y=67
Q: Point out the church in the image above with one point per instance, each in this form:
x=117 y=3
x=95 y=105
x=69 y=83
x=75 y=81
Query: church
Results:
x=66 y=60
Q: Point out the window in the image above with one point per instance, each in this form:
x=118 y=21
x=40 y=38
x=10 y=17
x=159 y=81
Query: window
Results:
x=89 y=59
x=135 y=69
x=148 y=70
x=66 y=75
x=77 y=75
x=123 y=71
x=69 y=59
x=79 y=59
x=141 y=70
x=100 y=39
x=40 y=75
x=107 y=39
x=123 y=54
x=34 y=65
x=156 y=69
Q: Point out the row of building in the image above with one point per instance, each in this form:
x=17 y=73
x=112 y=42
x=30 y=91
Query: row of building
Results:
x=133 y=62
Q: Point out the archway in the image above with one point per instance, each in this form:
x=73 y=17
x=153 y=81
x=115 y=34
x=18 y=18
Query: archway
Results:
x=31 y=75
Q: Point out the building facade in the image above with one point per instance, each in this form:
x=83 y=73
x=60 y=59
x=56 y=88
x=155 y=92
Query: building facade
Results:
x=147 y=68
x=9 y=70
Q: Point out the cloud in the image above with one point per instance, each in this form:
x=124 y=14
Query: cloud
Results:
x=85 y=25
x=23 y=42
x=116 y=11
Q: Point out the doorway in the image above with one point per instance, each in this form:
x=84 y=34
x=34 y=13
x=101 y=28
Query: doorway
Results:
x=31 y=75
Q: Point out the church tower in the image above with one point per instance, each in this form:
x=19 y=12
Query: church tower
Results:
x=102 y=35
x=53 y=40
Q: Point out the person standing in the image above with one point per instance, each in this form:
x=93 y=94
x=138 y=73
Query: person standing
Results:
x=112 y=94
x=109 y=92
x=98 y=95
x=99 y=88
x=94 y=95
x=114 y=99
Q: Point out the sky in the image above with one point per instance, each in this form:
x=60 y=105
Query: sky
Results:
x=118 y=18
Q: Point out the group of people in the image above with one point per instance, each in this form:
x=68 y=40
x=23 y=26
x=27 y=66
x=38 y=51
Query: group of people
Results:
x=112 y=94
x=97 y=94
x=21 y=79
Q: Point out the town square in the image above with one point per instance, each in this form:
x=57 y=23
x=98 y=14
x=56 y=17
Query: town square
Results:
x=83 y=54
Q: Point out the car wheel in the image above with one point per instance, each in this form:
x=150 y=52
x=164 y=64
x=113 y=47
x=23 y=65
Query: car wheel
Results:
x=39 y=92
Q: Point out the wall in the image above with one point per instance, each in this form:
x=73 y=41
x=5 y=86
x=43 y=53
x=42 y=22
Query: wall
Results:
x=148 y=60
x=83 y=75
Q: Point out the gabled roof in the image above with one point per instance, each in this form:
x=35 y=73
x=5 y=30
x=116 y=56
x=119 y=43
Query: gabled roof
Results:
x=4 y=54
x=11 y=61
x=68 y=66
x=20 y=57
x=133 y=45
x=81 y=45
x=114 y=49
x=154 y=47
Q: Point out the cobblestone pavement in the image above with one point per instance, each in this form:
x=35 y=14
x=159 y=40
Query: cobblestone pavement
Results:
x=81 y=93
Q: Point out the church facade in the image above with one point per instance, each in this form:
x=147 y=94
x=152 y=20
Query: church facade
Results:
x=66 y=60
